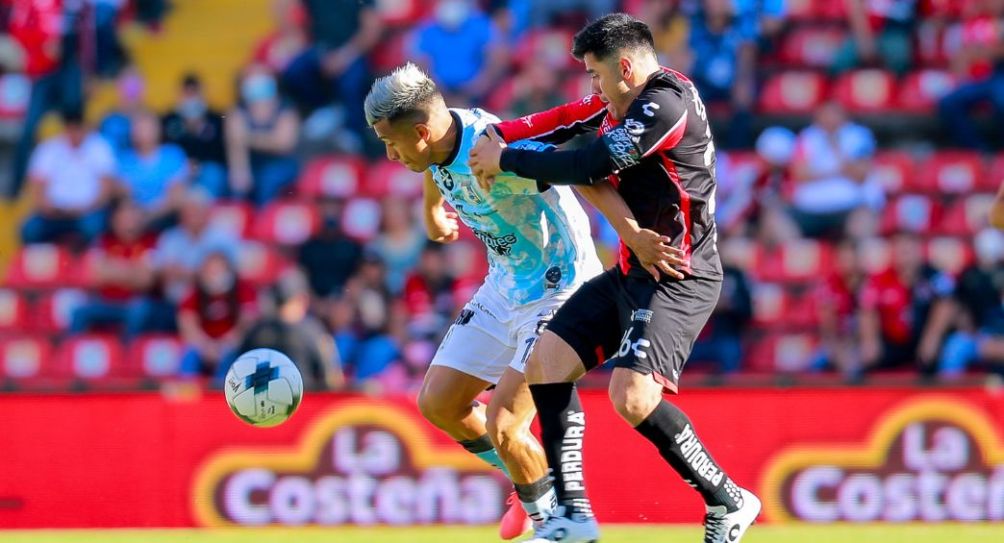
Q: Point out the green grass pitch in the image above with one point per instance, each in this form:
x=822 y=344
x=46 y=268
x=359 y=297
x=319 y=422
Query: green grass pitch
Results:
x=912 y=533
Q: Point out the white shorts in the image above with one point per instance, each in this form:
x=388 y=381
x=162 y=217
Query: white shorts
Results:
x=492 y=334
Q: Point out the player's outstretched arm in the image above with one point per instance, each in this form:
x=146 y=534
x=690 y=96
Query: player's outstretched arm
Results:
x=556 y=125
x=440 y=225
x=653 y=250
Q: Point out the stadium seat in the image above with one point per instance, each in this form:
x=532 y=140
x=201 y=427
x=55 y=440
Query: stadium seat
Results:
x=43 y=266
x=775 y=307
x=361 y=219
x=967 y=215
x=552 y=45
x=53 y=311
x=393 y=52
x=920 y=91
x=390 y=178
x=232 y=217
x=812 y=47
x=780 y=352
x=13 y=311
x=25 y=357
x=793 y=92
x=333 y=176
x=259 y=264
x=954 y=172
x=158 y=355
x=949 y=254
x=868 y=90
x=915 y=213
x=287 y=223
x=15 y=91
x=895 y=171
x=794 y=262
x=92 y=357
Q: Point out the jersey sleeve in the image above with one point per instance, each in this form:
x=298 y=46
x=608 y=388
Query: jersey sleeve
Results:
x=558 y=124
x=656 y=121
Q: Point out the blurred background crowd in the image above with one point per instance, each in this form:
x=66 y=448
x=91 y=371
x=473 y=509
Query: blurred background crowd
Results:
x=186 y=179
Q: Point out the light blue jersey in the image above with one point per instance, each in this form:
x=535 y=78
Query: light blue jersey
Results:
x=538 y=243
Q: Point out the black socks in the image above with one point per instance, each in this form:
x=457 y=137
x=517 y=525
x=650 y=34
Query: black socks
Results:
x=563 y=427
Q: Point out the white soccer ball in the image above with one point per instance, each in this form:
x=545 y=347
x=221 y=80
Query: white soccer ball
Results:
x=263 y=387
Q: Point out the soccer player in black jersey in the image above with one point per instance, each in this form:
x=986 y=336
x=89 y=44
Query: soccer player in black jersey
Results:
x=655 y=146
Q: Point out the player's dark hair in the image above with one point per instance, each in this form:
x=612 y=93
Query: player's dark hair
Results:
x=612 y=34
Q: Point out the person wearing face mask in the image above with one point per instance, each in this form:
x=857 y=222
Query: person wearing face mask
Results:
x=198 y=130
x=261 y=136
x=213 y=317
x=462 y=49
x=330 y=257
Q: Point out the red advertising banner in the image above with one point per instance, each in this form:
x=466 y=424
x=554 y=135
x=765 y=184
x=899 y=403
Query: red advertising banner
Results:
x=818 y=455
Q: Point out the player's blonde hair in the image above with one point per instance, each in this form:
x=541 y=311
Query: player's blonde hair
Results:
x=407 y=91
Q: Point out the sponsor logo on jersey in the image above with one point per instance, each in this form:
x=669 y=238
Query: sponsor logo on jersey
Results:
x=649 y=109
x=446 y=179
x=464 y=317
x=553 y=277
x=642 y=315
x=622 y=148
x=501 y=245
x=634 y=128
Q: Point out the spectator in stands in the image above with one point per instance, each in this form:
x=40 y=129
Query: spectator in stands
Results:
x=979 y=66
x=881 y=31
x=832 y=174
x=764 y=17
x=109 y=54
x=399 y=243
x=335 y=67
x=116 y=126
x=836 y=308
x=213 y=317
x=670 y=24
x=70 y=178
x=50 y=40
x=462 y=49
x=198 y=130
x=288 y=40
x=181 y=249
x=724 y=56
x=363 y=321
x=122 y=280
x=721 y=341
x=979 y=322
x=153 y=175
x=330 y=257
x=430 y=294
x=536 y=88
x=900 y=310
x=579 y=11
x=261 y=136
x=292 y=330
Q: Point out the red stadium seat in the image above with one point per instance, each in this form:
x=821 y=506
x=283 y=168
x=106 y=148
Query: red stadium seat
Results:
x=955 y=172
x=798 y=261
x=995 y=176
x=92 y=357
x=392 y=52
x=913 y=213
x=43 y=266
x=895 y=171
x=949 y=254
x=157 y=355
x=868 y=90
x=13 y=311
x=25 y=357
x=287 y=223
x=920 y=91
x=401 y=12
x=782 y=353
x=15 y=91
x=775 y=307
x=551 y=45
x=362 y=217
x=967 y=215
x=814 y=47
x=54 y=310
x=259 y=263
x=390 y=178
x=793 y=92
x=337 y=176
x=232 y=217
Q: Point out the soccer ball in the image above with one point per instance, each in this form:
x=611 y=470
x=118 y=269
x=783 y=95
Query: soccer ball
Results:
x=263 y=387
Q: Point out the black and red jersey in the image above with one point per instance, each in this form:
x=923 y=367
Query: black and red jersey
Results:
x=661 y=159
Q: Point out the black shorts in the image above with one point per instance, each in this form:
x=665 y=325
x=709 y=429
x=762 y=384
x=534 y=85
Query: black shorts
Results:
x=637 y=323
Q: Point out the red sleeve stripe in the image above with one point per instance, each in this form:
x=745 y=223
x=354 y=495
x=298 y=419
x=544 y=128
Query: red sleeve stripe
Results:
x=548 y=122
x=671 y=138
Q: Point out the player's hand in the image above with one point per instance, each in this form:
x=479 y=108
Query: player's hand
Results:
x=444 y=226
x=485 y=158
x=656 y=254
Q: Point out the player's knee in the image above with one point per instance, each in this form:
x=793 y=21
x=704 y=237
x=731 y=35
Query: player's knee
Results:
x=503 y=428
x=436 y=408
x=633 y=404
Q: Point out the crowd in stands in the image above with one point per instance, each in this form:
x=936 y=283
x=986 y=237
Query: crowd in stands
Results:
x=846 y=251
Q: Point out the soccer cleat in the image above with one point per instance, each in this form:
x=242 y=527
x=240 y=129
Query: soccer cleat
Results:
x=515 y=521
x=721 y=526
x=560 y=528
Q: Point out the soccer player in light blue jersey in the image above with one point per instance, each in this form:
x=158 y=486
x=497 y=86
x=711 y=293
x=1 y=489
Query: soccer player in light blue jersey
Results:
x=539 y=251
